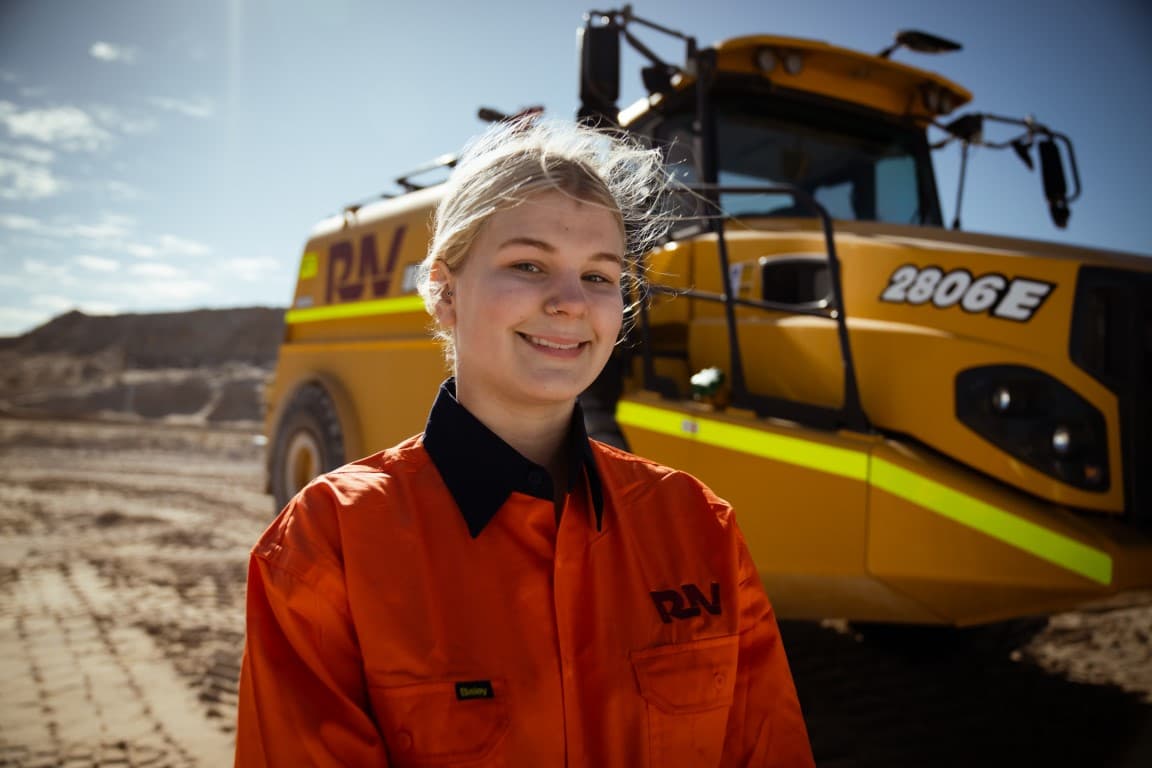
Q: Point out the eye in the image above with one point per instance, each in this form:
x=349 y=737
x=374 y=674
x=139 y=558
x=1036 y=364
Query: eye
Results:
x=596 y=277
x=526 y=266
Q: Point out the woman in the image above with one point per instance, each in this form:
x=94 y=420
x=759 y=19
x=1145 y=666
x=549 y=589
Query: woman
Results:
x=501 y=590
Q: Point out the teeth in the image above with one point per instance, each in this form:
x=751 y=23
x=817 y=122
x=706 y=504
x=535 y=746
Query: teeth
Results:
x=553 y=345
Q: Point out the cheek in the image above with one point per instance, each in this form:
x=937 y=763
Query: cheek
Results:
x=610 y=316
x=489 y=313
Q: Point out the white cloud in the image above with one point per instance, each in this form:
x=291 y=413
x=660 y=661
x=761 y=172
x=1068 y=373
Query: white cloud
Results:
x=68 y=127
x=110 y=227
x=198 y=108
x=52 y=302
x=104 y=263
x=123 y=122
x=25 y=181
x=19 y=223
x=139 y=250
x=120 y=190
x=111 y=52
x=98 y=307
x=27 y=153
x=253 y=269
x=58 y=273
x=17 y=320
x=110 y=235
x=158 y=292
x=97 y=264
x=155 y=269
x=171 y=245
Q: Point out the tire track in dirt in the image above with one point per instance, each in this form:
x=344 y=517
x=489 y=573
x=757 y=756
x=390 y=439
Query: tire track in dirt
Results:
x=121 y=593
x=84 y=689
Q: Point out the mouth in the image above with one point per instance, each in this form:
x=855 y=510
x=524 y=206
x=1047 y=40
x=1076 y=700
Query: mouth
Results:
x=538 y=341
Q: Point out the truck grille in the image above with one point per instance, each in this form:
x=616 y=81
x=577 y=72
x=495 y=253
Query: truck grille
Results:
x=1112 y=340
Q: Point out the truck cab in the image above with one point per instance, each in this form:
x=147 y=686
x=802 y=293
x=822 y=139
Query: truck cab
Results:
x=914 y=423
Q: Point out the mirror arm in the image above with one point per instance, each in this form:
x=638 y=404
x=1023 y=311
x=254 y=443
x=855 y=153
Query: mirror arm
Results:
x=626 y=16
x=960 y=190
x=967 y=129
x=642 y=49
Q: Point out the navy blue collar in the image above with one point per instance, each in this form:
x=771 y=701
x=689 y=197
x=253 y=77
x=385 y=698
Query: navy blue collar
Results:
x=482 y=471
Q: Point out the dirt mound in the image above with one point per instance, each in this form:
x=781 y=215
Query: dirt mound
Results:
x=205 y=337
x=203 y=366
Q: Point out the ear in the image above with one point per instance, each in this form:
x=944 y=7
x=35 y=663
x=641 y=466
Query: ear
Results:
x=442 y=283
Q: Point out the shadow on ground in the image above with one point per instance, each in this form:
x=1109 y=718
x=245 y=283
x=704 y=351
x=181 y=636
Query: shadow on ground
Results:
x=875 y=702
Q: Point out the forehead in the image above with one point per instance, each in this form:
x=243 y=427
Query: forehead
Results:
x=550 y=215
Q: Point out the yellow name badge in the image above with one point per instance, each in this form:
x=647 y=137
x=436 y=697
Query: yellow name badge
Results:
x=474 y=689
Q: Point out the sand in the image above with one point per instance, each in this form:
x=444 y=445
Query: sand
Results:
x=122 y=565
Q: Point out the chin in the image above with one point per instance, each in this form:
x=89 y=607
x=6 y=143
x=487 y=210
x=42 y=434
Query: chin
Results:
x=554 y=391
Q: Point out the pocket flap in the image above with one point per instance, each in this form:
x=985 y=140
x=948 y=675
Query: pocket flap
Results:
x=688 y=677
x=429 y=724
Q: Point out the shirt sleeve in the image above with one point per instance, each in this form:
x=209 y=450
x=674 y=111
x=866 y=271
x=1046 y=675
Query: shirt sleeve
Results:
x=765 y=724
x=303 y=699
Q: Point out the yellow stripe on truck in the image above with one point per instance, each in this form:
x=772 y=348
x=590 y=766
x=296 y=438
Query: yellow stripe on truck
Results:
x=993 y=521
x=355 y=309
x=804 y=453
x=961 y=508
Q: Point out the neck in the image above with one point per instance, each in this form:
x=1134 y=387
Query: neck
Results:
x=539 y=433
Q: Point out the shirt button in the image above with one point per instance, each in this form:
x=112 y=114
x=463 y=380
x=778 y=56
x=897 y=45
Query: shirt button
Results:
x=719 y=679
x=403 y=741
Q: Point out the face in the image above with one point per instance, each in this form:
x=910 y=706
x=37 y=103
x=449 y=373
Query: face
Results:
x=536 y=306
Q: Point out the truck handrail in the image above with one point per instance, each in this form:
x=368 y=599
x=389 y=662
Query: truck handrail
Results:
x=850 y=414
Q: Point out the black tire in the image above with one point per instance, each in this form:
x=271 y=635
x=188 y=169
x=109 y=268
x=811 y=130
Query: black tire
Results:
x=309 y=442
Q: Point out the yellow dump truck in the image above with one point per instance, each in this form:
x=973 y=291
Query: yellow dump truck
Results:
x=914 y=423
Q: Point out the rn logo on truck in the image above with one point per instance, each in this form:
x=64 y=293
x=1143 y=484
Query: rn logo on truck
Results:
x=1016 y=299
x=348 y=277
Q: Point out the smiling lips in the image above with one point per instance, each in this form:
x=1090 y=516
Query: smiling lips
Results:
x=538 y=341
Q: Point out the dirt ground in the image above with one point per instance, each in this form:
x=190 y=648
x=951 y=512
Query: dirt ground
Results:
x=122 y=562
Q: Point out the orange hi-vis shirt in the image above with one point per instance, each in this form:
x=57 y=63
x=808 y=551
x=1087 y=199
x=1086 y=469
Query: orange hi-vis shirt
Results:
x=428 y=606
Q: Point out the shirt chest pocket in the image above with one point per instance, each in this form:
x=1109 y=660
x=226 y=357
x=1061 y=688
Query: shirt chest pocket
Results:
x=688 y=689
x=428 y=724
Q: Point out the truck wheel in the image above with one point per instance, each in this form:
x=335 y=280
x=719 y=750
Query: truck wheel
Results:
x=309 y=442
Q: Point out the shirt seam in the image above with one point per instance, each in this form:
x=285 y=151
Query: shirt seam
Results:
x=309 y=577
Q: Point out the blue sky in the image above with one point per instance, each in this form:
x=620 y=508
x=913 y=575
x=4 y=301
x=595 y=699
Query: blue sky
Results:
x=171 y=154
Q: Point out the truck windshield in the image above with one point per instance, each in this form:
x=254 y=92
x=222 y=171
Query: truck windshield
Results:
x=859 y=168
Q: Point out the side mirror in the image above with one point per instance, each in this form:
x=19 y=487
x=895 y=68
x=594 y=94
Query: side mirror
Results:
x=970 y=130
x=1055 y=185
x=921 y=42
x=599 y=70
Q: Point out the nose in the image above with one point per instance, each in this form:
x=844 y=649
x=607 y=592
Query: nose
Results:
x=567 y=296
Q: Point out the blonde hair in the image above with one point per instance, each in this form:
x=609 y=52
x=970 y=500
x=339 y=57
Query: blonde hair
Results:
x=512 y=161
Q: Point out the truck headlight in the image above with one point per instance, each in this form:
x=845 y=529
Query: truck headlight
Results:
x=1037 y=419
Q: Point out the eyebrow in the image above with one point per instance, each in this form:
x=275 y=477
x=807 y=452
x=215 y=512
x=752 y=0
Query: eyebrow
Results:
x=532 y=242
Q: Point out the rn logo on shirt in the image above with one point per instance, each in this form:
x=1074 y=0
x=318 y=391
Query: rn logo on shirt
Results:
x=673 y=605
